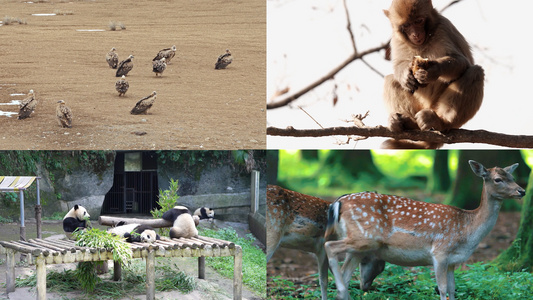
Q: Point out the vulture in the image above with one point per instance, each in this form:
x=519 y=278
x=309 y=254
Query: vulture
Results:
x=27 y=106
x=167 y=53
x=144 y=104
x=64 y=114
x=224 y=60
x=112 y=58
x=158 y=66
x=125 y=66
x=122 y=86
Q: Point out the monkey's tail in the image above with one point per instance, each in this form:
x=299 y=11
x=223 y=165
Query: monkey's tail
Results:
x=333 y=219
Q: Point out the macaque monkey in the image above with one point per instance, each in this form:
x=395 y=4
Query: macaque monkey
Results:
x=435 y=85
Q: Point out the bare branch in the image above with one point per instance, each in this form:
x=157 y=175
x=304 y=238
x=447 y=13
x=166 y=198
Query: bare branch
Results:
x=452 y=137
x=330 y=75
x=349 y=27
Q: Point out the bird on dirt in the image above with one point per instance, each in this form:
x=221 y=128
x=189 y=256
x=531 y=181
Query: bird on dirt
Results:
x=64 y=114
x=167 y=53
x=158 y=66
x=224 y=60
x=112 y=58
x=27 y=106
x=144 y=104
x=122 y=86
x=125 y=66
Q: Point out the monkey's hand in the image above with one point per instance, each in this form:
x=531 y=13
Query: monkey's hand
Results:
x=424 y=70
x=409 y=82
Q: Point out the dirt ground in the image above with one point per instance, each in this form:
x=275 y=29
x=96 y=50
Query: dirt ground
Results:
x=300 y=267
x=197 y=107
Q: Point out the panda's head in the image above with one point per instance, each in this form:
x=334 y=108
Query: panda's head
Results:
x=79 y=212
x=149 y=236
x=205 y=213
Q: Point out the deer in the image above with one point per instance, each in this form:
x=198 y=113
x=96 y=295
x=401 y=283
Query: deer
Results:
x=406 y=232
x=298 y=221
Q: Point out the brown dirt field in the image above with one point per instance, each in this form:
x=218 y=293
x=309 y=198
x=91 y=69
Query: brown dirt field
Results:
x=197 y=107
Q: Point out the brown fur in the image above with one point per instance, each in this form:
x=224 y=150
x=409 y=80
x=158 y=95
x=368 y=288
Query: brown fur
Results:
x=441 y=94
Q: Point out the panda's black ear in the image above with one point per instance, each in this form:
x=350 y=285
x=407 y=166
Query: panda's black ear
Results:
x=157 y=237
x=76 y=207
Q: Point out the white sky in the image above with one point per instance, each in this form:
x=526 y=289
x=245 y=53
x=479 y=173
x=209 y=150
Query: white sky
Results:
x=308 y=38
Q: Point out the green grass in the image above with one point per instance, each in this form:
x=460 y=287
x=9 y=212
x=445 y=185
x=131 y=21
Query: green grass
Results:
x=133 y=282
x=253 y=260
x=479 y=281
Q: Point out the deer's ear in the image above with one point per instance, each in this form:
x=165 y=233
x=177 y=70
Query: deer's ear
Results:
x=478 y=168
x=510 y=169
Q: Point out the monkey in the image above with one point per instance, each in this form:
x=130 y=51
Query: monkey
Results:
x=435 y=84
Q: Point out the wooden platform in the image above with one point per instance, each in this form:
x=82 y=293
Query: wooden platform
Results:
x=65 y=251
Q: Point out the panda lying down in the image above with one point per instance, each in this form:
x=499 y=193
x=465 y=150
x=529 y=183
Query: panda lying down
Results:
x=135 y=233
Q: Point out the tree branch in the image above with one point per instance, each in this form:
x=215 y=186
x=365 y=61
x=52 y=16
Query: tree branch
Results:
x=323 y=79
x=452 y=137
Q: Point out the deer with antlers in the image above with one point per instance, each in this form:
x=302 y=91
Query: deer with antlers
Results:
x=298 y=221
x=412 y=233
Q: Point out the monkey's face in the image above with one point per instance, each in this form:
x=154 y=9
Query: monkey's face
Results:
x=415 y=31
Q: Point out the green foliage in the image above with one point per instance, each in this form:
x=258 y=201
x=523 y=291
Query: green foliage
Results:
x=167 y=200
x=133 y=282
x=96 y=238
x=253 y=261
x=479 y=281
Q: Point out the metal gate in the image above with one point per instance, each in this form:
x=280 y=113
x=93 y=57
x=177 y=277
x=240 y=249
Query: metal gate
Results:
x=133 y=191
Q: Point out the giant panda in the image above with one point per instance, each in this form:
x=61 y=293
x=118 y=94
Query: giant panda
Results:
x=183 y=222
x=135 y=232
x=75 y=218
x=204 y=213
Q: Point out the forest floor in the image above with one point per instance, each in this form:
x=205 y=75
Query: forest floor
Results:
x=62 y=57
x=300 y=267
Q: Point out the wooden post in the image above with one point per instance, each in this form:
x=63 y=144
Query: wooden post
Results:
x=201 y=267
x=237 y=274
x=117 y=271
x=38 y=212
x=254 y=190
x=10 y=270
x=150 y=275
x=41 y=277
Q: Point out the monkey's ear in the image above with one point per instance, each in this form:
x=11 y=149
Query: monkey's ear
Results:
x=386 y=12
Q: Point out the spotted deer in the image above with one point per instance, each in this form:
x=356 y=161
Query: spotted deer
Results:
x=298 y=221
x=412 y=233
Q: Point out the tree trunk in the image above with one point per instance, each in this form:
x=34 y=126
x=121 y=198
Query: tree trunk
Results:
x=466 y=190
x=272 y=159
x=519 y=255
x=439 y=180
x=355 y=162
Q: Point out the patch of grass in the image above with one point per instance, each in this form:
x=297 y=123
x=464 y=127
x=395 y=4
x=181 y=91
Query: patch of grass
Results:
x=253 y=260
x=114 y=25
x=133 y=282
x=56 y=216
x=479 y=281
x=63 y=12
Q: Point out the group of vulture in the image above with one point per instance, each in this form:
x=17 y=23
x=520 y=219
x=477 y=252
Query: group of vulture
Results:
x=159 y=64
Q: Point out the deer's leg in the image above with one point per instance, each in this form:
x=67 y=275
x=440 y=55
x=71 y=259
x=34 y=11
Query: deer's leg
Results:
x=441 y=274
x=348 y=267
x=323 y=266
x=370 y=268
x=333 y=249
x=451 y=283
